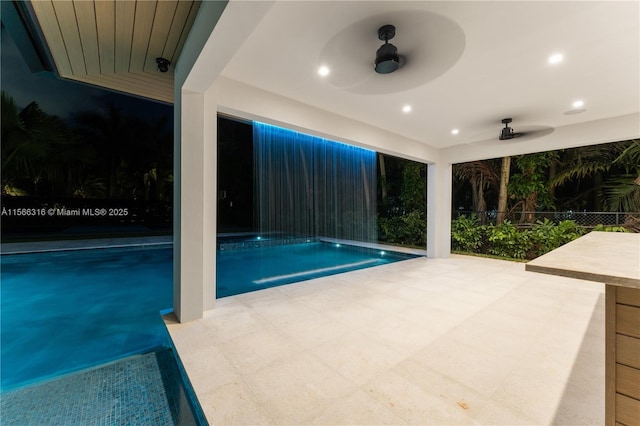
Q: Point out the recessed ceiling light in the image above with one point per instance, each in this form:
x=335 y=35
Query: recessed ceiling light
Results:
x=578 y=104
x=455 y=131
x=406 y=108
x=324 y=71
x=556 y=58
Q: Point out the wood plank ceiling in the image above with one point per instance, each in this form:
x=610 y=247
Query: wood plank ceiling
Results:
x=115 y=43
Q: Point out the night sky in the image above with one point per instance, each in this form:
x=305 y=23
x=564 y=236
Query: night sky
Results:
x=65 y=98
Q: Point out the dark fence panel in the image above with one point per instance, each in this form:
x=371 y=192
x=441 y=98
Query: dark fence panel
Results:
x=585 y=219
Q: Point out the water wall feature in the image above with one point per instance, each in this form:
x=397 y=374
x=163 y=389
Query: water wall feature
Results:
x=306 y=185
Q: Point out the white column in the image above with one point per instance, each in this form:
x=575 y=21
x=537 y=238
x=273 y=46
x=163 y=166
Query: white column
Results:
x=210 y=195
x=439 y=187
x=195 y=205
x=218 y=31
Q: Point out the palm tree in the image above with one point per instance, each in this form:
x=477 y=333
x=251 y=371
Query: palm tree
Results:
x=607 y=169
x=505 y=174
x=482 y=176
x=623 y=190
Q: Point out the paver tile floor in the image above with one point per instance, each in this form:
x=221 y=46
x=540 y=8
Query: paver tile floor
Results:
x=463 y=340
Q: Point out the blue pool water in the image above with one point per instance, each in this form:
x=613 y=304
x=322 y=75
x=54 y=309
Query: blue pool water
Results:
x=245 y=270
x=65 y=311
x=69 y=310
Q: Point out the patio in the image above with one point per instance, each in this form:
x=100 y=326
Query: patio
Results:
x=462 y=340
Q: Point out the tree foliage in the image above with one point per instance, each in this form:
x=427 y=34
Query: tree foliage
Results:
x=623 y=190
x=37 y=149
x=97 y=155
x=402 y=215
x=603 y=177
x=510 y=241
x=467 y=234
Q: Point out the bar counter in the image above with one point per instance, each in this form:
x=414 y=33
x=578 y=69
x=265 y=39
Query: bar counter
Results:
x=614 y=259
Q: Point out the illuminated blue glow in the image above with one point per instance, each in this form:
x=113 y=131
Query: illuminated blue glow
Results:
x=307 y=185
x=382 y=253
x=288 y=133
x=337 y=245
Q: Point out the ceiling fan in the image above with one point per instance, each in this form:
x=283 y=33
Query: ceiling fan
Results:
x=507 y=132
x=420 y=55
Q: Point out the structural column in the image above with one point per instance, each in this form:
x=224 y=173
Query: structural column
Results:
x=220 y=28
x=195 y=206
x=439 y=210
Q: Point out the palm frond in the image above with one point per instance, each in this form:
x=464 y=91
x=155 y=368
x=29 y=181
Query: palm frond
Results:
x=629 y=158
x=623 y=194
x=578 y=171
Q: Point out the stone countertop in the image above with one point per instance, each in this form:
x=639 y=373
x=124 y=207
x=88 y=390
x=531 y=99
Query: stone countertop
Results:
x=607 y=257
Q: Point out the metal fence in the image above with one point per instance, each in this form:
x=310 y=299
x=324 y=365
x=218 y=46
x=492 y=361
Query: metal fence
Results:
x=585 y=219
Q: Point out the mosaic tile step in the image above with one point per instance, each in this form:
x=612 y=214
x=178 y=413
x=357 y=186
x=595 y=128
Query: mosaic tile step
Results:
x=141 y=390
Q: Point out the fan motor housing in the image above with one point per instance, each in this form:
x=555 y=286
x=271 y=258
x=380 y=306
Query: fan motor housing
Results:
x=387 y=59
x=506 y=132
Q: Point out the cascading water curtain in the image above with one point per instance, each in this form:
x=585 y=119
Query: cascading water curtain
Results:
x=310 y=186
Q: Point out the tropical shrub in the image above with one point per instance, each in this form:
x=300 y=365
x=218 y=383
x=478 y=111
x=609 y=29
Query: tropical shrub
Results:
x=407 y=229
x=546 y=236
x=510 y=241
x=467 y=234
x=505 y=240
x=604 y=228
x=568 y=230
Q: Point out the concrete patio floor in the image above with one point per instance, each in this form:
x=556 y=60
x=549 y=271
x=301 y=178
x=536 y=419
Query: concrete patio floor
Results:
x=463 y=340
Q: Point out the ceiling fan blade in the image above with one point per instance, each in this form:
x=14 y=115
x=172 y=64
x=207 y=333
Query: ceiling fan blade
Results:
x=534 y=132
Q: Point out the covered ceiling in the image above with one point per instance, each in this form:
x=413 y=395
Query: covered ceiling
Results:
x=115 y=43
x=467 y=64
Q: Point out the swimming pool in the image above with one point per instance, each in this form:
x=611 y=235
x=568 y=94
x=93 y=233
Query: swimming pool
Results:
x=250 y=269
x=70 y=310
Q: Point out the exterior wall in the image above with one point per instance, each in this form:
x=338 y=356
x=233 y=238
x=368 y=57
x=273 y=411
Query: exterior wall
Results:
x=248 y=102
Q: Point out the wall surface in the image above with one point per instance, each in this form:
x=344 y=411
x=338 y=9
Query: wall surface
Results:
x=240 y=100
